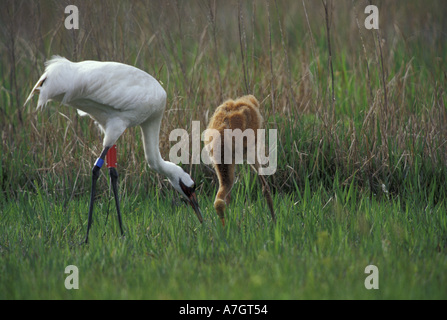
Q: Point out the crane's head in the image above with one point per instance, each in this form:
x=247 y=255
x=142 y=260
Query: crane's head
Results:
x=183 y=183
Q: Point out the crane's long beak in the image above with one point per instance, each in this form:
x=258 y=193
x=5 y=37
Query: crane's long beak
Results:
x=195 y=205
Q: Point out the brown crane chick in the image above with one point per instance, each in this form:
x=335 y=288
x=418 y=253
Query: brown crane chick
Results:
x=242 y=114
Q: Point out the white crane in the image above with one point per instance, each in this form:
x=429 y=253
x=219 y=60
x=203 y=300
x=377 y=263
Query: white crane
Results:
x=117 y=96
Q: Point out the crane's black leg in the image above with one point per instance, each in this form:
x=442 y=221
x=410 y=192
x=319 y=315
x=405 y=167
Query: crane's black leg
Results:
x=114 y=179
x=95 y=176
x=265 y=190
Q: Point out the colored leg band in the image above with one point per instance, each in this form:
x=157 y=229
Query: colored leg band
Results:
x=99 y=162
x=111 y=157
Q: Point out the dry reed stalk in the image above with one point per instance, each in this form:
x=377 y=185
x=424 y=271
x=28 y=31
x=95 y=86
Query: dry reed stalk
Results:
x=286 y=56
x=241 y=30
x=368 y=75
x=330 y=65
x=212 y=19
x=312 y=44
x=272 y=77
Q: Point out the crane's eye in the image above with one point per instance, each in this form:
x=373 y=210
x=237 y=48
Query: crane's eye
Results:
x=185 y=189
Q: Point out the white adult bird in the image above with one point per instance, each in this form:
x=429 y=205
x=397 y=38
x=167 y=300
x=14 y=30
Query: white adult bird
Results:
x=117 y=96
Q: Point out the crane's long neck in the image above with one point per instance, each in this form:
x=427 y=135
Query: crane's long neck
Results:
x=151 y=131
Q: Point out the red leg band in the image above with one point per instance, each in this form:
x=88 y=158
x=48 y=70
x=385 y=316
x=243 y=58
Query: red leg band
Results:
x=111 y=157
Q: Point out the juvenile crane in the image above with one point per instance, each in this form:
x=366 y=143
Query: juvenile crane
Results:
x=242 y=114
x=117 y=96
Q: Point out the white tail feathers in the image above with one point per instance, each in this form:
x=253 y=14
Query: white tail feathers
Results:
x=37 y=89
x=46 y=93
x=82 y=113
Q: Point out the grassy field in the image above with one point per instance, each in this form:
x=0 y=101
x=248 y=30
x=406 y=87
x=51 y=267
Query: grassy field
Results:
x=362 y=153
x=318 y=250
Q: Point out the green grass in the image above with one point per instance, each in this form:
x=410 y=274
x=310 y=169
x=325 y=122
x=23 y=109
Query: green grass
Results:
x=318 y=249
x=363 y=185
